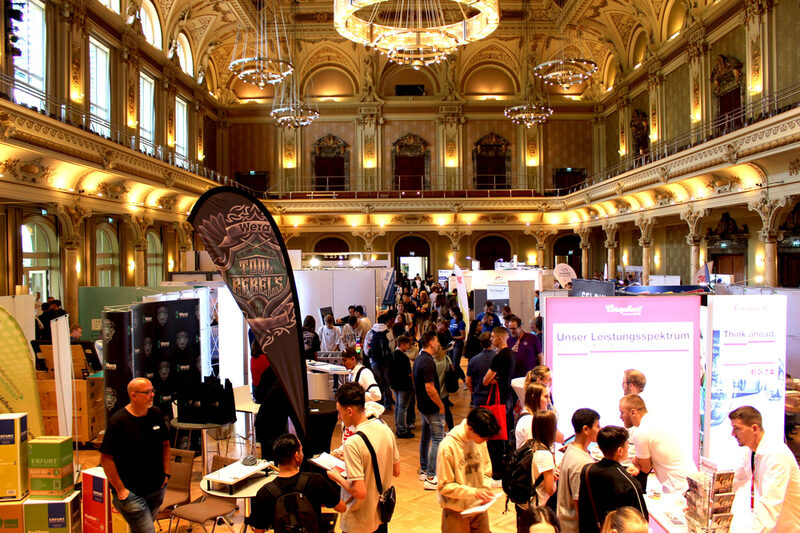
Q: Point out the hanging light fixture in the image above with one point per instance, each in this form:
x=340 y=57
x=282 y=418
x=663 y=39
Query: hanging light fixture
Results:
x=257 y=57
x=532 y=111
x=567 y=69
x=415 y=32
x=289 y=108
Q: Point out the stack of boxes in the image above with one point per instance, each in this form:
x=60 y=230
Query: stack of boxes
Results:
x=53 y=505
x=13 y=471
x=709 y=501
x=99 y=516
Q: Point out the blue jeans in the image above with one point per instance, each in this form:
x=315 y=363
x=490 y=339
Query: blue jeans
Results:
x=381 y=372
x=432 y=435
x=402 y=399
x=140 y=512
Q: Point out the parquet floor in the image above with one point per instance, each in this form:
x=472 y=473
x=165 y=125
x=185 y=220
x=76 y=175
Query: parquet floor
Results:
x=417 y=509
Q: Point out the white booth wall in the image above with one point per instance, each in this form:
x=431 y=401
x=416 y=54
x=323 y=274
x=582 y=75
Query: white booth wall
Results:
x=337 y=289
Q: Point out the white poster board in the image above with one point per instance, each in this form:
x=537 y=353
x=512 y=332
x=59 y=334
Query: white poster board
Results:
x=62 y=361
x=337 y=289
x=747 y=366
x=657 y=280
x=592 y=341
x=23 y=309
x=522 y=300
x=497 y=291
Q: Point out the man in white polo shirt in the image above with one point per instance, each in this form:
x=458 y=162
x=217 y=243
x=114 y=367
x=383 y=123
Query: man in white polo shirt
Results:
x=656 y=448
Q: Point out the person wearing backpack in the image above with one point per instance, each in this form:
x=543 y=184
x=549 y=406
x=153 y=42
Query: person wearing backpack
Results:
x=380 y=354
x=371 y=461
x=293 y=501
x=465 y=472
x=586 y=423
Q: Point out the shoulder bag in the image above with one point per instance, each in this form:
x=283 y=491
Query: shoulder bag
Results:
x=499 y=411
x=388 y=499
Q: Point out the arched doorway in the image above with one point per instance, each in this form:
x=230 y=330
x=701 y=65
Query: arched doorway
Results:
x=331 y=245
x=412 y=256
x=491 y=159
x=567 y=249
x=330 y=161
x=411 y=159
x=491 y=248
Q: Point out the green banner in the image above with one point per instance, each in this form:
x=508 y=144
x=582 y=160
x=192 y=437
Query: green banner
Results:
x=19 y=392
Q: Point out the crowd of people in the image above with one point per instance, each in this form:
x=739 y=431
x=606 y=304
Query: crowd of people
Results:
x=409 y=362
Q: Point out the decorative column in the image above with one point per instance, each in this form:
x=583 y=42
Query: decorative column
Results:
x=758 y=26
x=655 y=88
x=770 y=212
x=200 y=113
x=455 y=235
x=168 y=85
x=368 y=237
x=70 y=219
x=183 y=231
x=541 y=235
x=450 y=135
x=645 y=225
x=73 y=12
x=289 y=175
x=584 y=232
x=598 y=141
x=138 y=225
x=700 y=104
x=368 y=154
x=130 y=61
x=624 y=118
x=694 y=217
x=611 y=230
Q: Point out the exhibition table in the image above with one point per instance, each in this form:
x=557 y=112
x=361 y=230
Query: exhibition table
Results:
x=668 y=511
x=245 y=490
x=203 y=428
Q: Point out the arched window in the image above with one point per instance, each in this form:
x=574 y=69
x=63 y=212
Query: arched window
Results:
x=155 y=259
x=151 y=25
x=40 y=259
x=113 y=5
x=30 y=66
x=184 y=52
x=106 y=257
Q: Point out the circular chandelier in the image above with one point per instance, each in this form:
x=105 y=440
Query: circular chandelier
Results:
x=565 y=72
x=415 y=32
x=257 y=57
x=529 y=113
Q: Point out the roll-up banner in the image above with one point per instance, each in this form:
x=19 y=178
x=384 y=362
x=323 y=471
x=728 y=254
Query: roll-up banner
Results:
x=245 y=243
x=19 y=392
x=118 y=358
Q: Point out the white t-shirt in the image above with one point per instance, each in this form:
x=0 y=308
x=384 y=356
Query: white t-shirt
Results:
x=569 y=484
x=330 y=339
x=523 y=430
x=348 y=336
x=656 y=443
x=543 y=461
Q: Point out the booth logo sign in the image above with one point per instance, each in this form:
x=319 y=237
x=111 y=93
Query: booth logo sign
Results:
x=629 y=310
x=108 y=329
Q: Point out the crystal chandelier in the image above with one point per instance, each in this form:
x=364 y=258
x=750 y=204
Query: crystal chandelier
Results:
x=415 y=32
x=257 y=57
x=529 y=113
x=566 y=70
x=288 y=107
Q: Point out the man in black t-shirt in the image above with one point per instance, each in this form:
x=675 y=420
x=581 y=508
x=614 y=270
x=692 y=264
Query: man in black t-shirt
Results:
x=499 y=375
x=431 y=407
x=135 y=456
x=288 y=454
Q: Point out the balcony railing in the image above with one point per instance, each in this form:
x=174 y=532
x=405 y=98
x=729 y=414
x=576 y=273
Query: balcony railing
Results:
x=74 y=115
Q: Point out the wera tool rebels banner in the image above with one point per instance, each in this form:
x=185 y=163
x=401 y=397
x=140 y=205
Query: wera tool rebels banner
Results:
x=245 y=243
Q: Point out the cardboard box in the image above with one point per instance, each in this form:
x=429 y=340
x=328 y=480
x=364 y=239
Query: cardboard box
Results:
x=49 y=488
x=96 y=499
x=11 y=517
x=50 y=452
x=118 y=523
x=13 y=455
x=53 y=516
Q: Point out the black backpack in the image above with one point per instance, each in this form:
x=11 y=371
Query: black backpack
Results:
x=379 y=350
x=517 y=477
x=293 y=510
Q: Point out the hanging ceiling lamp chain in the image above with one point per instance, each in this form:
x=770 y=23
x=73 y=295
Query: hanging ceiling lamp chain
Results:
x=567 y=69
x=257 y=56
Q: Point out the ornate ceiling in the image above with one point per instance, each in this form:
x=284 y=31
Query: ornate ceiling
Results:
x=613 y=33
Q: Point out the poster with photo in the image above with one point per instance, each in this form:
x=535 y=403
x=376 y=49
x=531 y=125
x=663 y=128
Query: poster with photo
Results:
x=747 y=366
x=592 y=341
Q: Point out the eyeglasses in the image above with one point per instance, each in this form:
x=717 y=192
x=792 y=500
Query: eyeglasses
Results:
x=148 y=391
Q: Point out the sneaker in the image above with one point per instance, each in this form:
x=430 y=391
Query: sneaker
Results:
x=430 y=484
x=422 y=475
x=406 y=435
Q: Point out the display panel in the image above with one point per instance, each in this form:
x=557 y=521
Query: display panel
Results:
x=592 y=341
x=747 y=343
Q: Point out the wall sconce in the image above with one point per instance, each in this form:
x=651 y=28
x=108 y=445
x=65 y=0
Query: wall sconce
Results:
x=625 y=258
x=532 y=258
x=370 y=163
x=78 y=266
x=131 y=265
x=132 y=122
x=450 y=259
x=76 y=95
x=289 y=161
x=759 y=279
x=696 y=115
x=532 y=161
x=657 y=259
x=170 y=264
x=702 y=258
x=451 y=162
x=759 y=260
x=201 y=156
x=171 y=140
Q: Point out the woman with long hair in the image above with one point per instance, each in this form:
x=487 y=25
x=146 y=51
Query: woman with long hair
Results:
x=536 y=398
x=543 y=468
x=544 y=520
x=625 y=520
